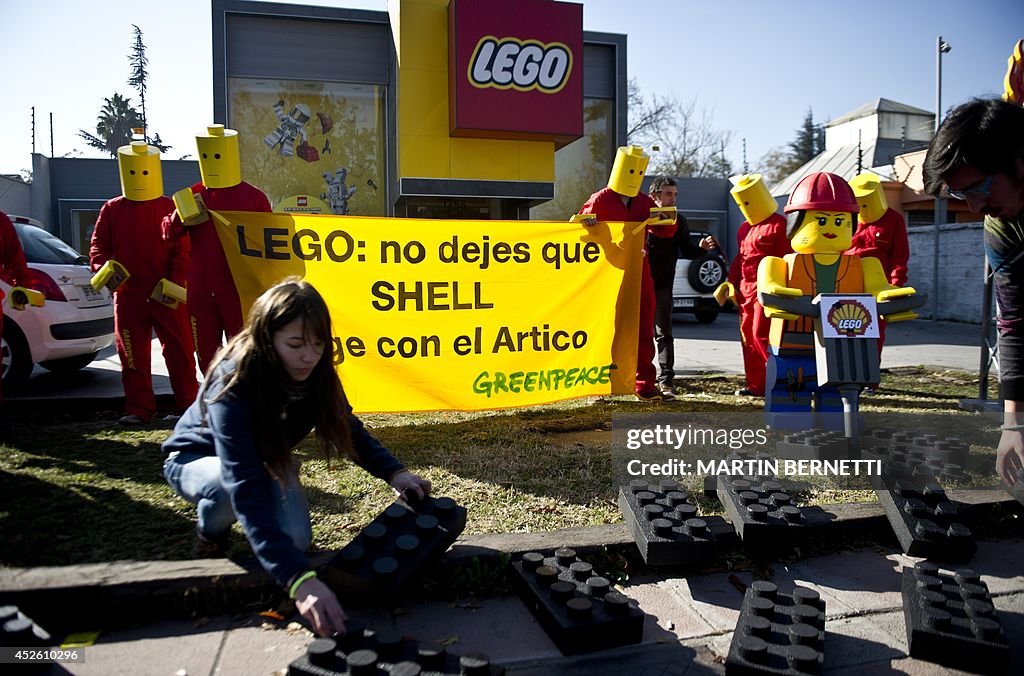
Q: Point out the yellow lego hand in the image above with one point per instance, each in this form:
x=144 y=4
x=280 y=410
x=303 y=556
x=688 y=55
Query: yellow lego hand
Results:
x=1013 y=83
x=775 y=313
x=901 y=316
x=899 y=292
x=724 y=293
x=661 y=216
x=583 y=219
x=780 y=290
x=21 y=296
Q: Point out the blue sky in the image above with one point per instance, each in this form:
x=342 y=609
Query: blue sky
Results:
x=757 y=65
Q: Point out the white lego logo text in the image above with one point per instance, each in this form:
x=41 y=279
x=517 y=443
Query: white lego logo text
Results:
x=524 y=65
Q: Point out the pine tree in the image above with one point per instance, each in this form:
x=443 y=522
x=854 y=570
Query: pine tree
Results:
x=137 y=79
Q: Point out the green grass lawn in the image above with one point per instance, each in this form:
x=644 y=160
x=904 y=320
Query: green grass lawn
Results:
x=80 y=490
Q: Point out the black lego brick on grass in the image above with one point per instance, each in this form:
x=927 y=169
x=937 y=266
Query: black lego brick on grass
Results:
x=951 y=620
x=814 y=444
x=393 y=548
x=926 y=523
x=665 y=524
x=577 y=608
x=361 y=652
x=763 y=513
x=778 y=634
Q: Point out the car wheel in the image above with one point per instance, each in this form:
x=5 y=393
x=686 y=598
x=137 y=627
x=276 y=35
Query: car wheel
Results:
x=69 y=364
x=705 y=316
x=17 y=360
x=705 y=274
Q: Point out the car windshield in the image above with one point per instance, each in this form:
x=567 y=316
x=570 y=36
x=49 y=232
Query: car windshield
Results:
x=42 y=247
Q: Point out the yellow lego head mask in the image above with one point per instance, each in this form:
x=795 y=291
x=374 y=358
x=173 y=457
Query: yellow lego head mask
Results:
x=628 y=170
x=219 y=162
x=752 y=196
x=870 y=197
x=139 y=166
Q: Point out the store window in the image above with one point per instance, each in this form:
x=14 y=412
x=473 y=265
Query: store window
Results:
x=312 y=140
x=581 y=168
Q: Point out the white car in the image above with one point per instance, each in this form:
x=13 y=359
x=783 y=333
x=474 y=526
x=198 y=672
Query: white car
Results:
x=696 y=281
x=71 y=328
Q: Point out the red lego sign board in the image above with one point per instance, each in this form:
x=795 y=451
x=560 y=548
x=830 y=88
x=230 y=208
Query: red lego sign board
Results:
x=515 y=69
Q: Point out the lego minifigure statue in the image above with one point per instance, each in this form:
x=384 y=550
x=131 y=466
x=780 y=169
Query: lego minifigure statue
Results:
x=622 y=200
x=821 y=212
x=881 y=233
x=293 y=124
x=338 y=193
x=128 y=231
x=763 y=233
x=213 y=301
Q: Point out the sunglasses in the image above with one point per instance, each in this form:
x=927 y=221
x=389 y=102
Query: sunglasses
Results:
x=979 y=192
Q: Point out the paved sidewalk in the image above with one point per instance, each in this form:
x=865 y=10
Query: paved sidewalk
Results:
x=688 y=627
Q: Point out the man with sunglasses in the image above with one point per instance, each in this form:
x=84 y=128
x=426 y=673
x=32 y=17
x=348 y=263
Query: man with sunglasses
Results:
x=977 y=156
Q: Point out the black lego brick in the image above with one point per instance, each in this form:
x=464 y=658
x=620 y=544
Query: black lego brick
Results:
x=576 y=607
x=393 y=548
x=778 y=634
x=921 y=457
x=814 y=445
x=763 y=514
x=19 y=631
x=362 y=652
x=926 y=523
x=665 y=525
x=951 y=620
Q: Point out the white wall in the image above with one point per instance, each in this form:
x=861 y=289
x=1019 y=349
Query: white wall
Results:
x=961 y=269
x=14 y=196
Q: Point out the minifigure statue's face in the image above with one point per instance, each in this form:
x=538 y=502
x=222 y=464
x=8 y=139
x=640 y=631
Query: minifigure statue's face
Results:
x=219 y=162
x=870 y=197
x=823 y=232
x=752 y=197
x=628 y=170
x=139 y=166
x=300 y=113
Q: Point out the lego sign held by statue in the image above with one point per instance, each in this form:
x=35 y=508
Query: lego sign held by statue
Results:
x=515 y=70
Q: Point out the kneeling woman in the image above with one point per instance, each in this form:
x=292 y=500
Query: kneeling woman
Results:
x=231 y=452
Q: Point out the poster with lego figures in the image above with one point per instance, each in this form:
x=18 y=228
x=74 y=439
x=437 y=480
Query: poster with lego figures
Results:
x=316 y=142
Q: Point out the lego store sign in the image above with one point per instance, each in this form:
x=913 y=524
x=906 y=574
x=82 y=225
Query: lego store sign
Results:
x=515 y=69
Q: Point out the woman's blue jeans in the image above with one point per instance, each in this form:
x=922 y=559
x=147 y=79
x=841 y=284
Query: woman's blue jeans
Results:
x=197 y=478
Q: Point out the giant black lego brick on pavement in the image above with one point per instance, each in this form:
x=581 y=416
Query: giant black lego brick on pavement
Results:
x=361 y=652
x=395 y=546
x=926 y=523
x=665 y=525
x=951 y=620
x=778 y=634
x=19 y=631
x=576 y=607
x=763 y=514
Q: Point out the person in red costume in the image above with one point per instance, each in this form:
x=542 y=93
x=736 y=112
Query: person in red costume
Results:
x=213 y=301
x=13 y=267
x=128 y=231
x=621 y=200
x=881 y=233
x=763 y=233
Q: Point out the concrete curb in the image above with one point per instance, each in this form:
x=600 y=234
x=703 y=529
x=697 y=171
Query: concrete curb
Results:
x=122 y=593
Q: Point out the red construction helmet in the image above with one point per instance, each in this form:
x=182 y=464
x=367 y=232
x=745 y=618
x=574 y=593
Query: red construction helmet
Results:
x=822 y=190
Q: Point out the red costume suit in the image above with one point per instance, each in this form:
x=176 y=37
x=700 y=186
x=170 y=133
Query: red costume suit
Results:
x=129 y=232
x=886 y=240
x=212 y=297
x=607 y=205
x=13 y=267
x=767 y=238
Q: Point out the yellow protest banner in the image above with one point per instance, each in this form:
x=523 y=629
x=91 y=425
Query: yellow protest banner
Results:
x=456 y=315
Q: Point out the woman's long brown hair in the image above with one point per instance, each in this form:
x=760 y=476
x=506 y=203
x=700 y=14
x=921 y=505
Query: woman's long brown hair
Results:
x=259 y=371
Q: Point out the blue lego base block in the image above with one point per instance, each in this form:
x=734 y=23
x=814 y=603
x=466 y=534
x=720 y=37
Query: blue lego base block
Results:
x=814 y=444
x=778 y=634
x=364 y=652
x=393 y=548
x=665 y=525
x=575 y=606
x=926 y=523
x=763 y=514
x=951 y=620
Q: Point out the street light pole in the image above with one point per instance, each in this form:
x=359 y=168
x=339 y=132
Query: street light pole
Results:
x=941 y=47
